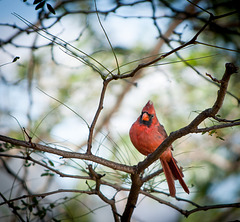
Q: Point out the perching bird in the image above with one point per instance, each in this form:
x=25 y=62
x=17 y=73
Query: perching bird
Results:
x=146 y=135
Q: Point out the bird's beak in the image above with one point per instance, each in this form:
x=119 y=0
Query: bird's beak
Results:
x=145 y=117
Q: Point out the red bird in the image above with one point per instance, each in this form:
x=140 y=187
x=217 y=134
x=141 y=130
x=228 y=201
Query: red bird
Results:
x=146 y=135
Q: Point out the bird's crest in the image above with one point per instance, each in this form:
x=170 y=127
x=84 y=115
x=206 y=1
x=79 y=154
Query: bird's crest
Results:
x=149 y=108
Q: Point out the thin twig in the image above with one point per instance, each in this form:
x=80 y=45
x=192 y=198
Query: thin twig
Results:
x=68 y=154
x=11 y=205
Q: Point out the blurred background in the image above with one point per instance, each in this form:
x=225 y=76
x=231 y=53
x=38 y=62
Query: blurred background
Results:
x=53 y=90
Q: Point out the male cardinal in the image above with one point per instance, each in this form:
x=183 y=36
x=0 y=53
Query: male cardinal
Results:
x=146 y=135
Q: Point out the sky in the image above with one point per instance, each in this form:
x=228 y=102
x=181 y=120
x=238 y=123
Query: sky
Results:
x=17 y=6
x=120 y=38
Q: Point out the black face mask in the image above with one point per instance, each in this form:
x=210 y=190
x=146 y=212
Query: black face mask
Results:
x=144 y=122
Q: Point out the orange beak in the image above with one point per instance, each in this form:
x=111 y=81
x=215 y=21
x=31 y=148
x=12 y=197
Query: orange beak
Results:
x=145 y=117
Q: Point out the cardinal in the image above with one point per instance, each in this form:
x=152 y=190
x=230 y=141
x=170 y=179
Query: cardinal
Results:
x=147 y=134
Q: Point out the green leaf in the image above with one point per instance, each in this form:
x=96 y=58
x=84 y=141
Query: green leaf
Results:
x=27 y=164
x=47 y=173
x=51 y=9
x=40 y=5
x=17 y=208
x=36 y=1
x=212 y=132
x=35 y=201
x=30 y=208
x=44 y=162
x=219 y=137
x=24 y=203
x=50 y=162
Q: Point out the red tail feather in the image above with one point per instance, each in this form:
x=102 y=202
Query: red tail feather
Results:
x=175 y=173
x=169 y=176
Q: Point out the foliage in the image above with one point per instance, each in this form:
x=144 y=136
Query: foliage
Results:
x=72 y=88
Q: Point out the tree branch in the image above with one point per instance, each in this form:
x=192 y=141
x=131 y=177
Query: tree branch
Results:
x=132 y=197
x=221 y=126
x=210 y=207
x=68 y=154
x=29 y=158
x=14 y=208
x=43 y=195
x=193 y=126
x=100 y=107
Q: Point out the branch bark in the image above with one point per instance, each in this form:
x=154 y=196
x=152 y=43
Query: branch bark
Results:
x=68 y=154
x=132 y=197
x=230 y=69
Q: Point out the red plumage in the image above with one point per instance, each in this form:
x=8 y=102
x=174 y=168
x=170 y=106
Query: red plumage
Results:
x=146 y=135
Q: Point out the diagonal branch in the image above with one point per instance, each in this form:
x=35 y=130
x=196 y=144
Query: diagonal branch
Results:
x=193 y=126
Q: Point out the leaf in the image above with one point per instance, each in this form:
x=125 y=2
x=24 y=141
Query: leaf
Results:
x=30 y=208
x=51 y=163
x=35 y=201
x=27 y=164
x=24 y=203
x=40 y=5
x=36 y=1
x=47 y=174
x=44 y=162
x=17 y=208
x=2 y=150
x=219 y=137
x=211 y=132
x=16 y=58
x=51 y=9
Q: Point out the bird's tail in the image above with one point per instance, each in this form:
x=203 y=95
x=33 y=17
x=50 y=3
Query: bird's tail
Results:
x=172 y=172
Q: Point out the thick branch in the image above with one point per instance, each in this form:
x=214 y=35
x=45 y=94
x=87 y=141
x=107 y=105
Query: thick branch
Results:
x=193 y=126
x=230 y=69
x=132 y=198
